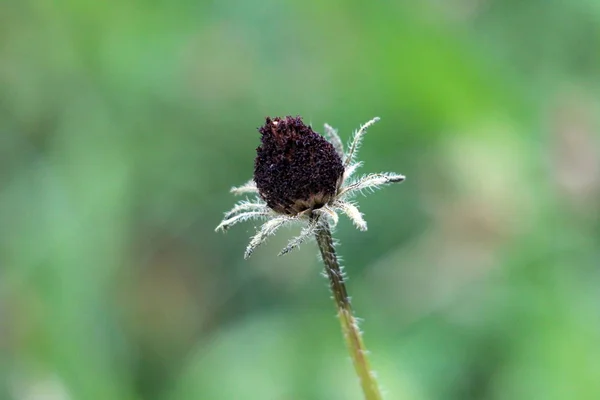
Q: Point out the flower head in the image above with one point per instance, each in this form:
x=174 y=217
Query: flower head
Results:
x=299 y=176
x=295 y=169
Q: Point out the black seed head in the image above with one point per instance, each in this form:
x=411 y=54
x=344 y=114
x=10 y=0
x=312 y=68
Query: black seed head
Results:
x=295 y=169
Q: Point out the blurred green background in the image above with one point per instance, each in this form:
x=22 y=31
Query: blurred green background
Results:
x=123 y=124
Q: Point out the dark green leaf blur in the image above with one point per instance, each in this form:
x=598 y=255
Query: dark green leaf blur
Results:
x=123 y=125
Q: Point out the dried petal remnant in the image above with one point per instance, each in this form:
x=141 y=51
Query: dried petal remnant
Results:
x=295 y=169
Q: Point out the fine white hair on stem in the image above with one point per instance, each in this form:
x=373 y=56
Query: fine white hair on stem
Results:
x=333 y=137
x=355 y=143
x=370 y=181
x=351 y=169
x=267 y=229
x=328 y=212
x=247 y=205
x=245 y=216
x=353 y=213
x=248 y=187
x=306 y=233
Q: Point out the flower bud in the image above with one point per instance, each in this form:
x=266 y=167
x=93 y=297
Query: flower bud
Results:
x=295 y=169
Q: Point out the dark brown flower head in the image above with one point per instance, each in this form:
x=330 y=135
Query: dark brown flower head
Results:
x=300 y=177
x=295 y=169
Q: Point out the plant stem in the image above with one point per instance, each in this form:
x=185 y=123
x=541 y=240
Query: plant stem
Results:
x=350 y=329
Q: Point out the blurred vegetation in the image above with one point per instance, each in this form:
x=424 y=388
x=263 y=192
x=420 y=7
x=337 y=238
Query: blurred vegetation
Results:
x=124 y=124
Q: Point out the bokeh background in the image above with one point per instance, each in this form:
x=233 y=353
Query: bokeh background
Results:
x=123 y=124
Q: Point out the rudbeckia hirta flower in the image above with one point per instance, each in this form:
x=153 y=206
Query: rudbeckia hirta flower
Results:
x=303 y=177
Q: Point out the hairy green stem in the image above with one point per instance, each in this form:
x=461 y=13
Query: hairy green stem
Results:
x=350 y=329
